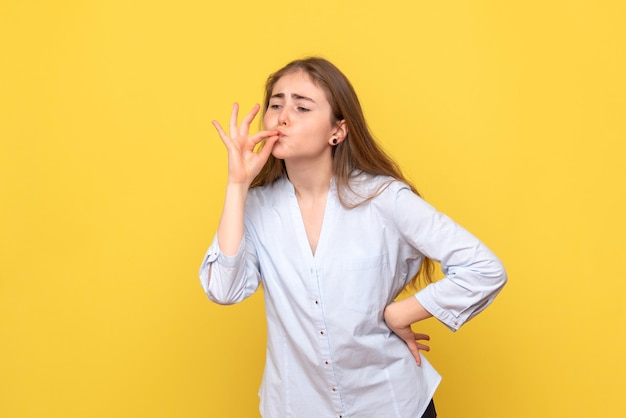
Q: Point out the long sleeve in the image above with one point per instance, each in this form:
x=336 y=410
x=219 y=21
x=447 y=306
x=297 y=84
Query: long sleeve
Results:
x=473 y=274
x=230 y=279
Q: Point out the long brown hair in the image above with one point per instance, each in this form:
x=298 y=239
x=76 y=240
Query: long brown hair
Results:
x=358 y=153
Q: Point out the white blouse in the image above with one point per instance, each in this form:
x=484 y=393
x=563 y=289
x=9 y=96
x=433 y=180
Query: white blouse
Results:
x=329 y=351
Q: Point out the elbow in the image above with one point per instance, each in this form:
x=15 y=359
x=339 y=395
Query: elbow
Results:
x=221 y=301
x=493 y=276
x=223 y=298
x=498 y=277
x=503 y=277
x=228 y=292
x=213 y=288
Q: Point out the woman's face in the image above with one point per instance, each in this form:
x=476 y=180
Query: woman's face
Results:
x=301 y=113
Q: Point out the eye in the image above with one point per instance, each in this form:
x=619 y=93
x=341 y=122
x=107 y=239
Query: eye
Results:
x=303 y=109
x=274 y=106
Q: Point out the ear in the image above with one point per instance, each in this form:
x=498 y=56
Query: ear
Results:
x=339 y=133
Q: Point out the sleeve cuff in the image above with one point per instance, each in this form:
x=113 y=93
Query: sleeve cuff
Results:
x=425 y=299
x=214 y=254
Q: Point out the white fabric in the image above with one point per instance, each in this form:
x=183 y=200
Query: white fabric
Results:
x=329 y=351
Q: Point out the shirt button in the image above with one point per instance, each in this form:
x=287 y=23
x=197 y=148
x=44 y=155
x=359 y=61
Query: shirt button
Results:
x=322 y=332
x=326 y=362
x=317 y=302
x=334 y=389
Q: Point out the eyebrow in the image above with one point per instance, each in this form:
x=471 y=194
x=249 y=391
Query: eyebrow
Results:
x=293 y=95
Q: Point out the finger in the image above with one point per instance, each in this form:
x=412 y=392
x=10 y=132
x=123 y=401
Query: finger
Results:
x=233 y=118
x=423 y=347
x=266 y=150
x=247 y=120
x=260 y=136
x=221 y=132
x=416 y=355
x=422 y=337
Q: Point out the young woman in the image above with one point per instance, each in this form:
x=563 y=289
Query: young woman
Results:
x=324 y=219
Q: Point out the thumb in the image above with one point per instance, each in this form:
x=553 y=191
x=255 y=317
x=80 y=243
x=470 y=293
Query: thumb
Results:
x=265 y=152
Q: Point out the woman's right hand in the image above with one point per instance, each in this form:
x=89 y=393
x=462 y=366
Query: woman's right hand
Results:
x=243 y=162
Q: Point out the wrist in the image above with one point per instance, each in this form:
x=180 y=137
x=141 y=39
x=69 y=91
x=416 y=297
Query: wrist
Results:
x=238 y=185
x=393 y=315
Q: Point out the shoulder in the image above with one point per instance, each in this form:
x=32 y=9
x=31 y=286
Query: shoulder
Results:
x=375 y=187
x=374 y=193
x=268 y=195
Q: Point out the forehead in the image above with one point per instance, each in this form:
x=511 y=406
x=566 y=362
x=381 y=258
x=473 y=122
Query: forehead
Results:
x=300 y=83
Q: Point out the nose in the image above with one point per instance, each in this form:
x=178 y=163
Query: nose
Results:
x=283 y=117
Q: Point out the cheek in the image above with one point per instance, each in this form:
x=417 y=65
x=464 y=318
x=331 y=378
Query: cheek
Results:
x=267 y=121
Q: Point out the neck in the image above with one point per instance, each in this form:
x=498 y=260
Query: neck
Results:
x=311 y=179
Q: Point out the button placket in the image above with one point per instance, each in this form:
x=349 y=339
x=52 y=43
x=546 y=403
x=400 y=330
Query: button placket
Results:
x=324 y=346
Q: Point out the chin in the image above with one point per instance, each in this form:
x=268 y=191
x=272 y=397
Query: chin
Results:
x=279 y=153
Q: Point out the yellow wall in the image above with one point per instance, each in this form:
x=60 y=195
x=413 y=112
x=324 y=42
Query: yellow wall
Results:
x=509 y=117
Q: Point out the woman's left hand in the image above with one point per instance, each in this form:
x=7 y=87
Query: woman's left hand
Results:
x=399 y=316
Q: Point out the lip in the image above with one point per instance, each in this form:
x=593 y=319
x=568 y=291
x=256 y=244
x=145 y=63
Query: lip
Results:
x=281 y=133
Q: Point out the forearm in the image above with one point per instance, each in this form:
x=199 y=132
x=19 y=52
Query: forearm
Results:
x=231 y=227
x=405 y=312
